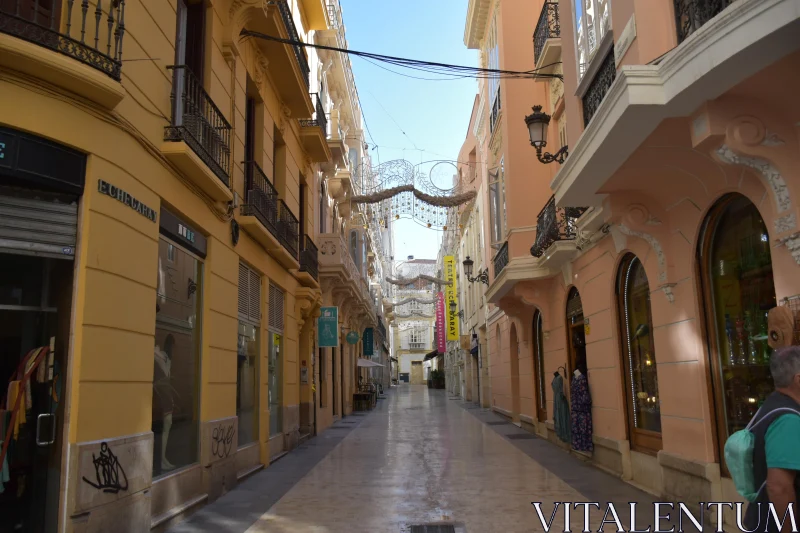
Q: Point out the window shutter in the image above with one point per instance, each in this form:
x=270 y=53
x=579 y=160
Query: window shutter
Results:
x=244 y=290
x=275 y=308
x=249 y=295
x=255 y=297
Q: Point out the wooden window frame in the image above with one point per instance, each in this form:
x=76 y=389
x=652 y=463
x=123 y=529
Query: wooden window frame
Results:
x=714 y=383
x=641 y=440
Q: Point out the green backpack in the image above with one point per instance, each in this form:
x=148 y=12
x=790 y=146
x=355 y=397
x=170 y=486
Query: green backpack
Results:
x=739 y=456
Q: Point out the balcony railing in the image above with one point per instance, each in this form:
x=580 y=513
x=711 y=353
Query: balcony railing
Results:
x=288 y=21
x=596 y=93
x=417 y=345
x=548 y=27
x=320 y=118
x=309 y=258
x=555 y=224
x=98 y=42
x=500 y=259
x=261 y=198
x=198 y=122
x=496 y=106
x=288 y=229
x=690 y=15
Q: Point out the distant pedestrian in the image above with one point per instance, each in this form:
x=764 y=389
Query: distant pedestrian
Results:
x=776 y=454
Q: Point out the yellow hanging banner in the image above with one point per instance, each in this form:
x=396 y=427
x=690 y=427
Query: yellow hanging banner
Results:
x=451 y=296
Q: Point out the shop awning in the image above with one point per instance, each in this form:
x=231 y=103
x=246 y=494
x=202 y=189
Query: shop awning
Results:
x=431 y=355
x=367 y=363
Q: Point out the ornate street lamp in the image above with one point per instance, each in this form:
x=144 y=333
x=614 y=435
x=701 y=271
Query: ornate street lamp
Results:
x=483 y=276
x=537 y=123
x=460 y=314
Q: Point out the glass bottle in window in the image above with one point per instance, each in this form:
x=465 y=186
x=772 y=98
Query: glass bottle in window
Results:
x=739 y=292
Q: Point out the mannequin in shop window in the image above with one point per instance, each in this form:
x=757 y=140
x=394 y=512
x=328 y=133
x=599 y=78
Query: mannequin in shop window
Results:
x=161 y=376
x=163 y=389
x=581 y=400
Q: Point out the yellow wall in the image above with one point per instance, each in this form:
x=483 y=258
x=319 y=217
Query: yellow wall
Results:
x=114 y=311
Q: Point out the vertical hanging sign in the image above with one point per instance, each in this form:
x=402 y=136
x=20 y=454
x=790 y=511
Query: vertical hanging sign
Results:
x=369 y=342
x=441 y=324
x=450 y=292
x=328 y=327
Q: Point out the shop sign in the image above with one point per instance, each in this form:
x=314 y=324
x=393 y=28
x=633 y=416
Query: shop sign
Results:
x=118 y=194
x=182 y=233
x=368 y=342
x=328 y=327
x=352 y=338
x=36 y=160
x=441 y=346
x=451 y=295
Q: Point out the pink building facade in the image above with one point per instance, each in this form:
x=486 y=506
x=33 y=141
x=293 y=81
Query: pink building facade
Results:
x=664 y=238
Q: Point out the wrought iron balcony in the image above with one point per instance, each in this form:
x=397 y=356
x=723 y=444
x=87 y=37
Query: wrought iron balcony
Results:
x=39 y=22
x=690 y=15
x=555 y=224
x=309 y=258
x=496 y=106
x=596 y=93
x=288 y=229
x=320 y=118
x=500 y=259
x=261 y=198
x=198 y=122
x=300 y=54
x=548 y=27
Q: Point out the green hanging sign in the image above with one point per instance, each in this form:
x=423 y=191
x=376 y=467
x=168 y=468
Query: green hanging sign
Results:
x=368 y=342
x=352 y=338
x=328 y=327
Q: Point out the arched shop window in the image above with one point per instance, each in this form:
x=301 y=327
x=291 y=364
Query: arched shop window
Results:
x=538 y=360
x=638 y=356
x=738 y=292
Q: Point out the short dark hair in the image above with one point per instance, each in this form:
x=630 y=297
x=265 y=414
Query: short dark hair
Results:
x=784 y=365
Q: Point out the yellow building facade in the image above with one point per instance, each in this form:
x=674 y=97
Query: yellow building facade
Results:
x=164 y=182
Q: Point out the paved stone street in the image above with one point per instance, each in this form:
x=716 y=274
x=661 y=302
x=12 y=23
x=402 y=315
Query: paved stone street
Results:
x=418 y=458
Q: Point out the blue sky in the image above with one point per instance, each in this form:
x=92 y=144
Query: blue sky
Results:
x=433 y=114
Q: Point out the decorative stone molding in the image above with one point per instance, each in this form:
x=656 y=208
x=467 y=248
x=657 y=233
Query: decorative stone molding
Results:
x=771 y=175
x=662 y=259
x=667 y=288
x=307 y=303
x=792 y=243
x=619 y=238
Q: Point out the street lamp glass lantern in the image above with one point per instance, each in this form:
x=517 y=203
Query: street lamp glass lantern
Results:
x=468 y=267
x=452 y=308
x=537 y=123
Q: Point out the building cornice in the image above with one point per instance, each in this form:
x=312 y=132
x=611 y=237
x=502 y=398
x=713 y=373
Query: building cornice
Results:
x=477 y=16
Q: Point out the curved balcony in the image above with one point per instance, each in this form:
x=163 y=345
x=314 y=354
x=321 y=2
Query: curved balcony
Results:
x=555 y=224
x=547 y=39
x=35 y=36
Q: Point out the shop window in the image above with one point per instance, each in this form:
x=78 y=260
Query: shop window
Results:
x=276 y=310
x=538 y=356
x=639 y=359
x=177 y=360
x=247 y=360
x=738 y=291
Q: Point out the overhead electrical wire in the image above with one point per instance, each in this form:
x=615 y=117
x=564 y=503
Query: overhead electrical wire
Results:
x=432 y=67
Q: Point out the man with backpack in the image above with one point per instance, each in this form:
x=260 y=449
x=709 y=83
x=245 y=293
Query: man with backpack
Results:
x=776 y=449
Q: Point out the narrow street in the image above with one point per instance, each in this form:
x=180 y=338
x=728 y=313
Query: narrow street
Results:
x=418 y=458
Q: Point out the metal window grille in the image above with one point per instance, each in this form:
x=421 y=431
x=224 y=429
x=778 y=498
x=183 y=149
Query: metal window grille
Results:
x=249 y=295
x=275 y=308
